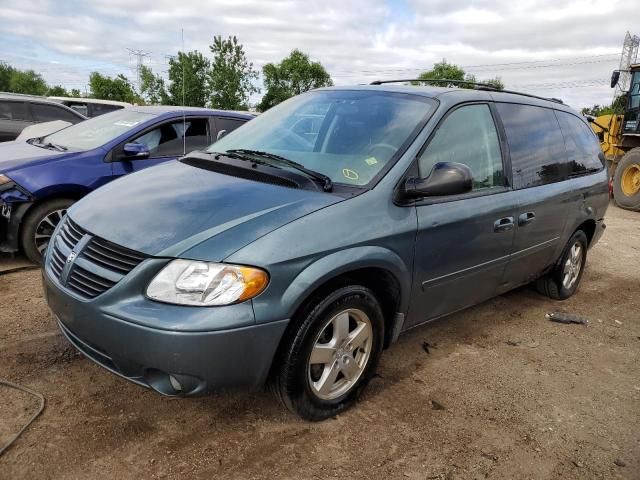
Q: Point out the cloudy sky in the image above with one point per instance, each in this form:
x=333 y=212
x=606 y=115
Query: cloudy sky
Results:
x=543 y=47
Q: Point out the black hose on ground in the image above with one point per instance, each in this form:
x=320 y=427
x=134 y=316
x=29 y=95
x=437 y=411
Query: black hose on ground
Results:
x=33 y=417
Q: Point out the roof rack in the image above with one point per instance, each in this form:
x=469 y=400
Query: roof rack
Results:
x=476 y=86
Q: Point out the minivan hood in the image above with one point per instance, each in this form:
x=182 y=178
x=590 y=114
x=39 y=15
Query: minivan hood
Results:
x=175 y=209
x=19 y=153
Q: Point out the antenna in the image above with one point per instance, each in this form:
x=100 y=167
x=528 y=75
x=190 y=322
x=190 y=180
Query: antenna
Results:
x=184 y=119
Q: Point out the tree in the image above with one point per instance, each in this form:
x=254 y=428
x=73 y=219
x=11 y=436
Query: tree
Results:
x=107 y=88
x=196 y=73
x=616 y=108
x=6 y=71
x=294 y=75
x=75 y=93
x=57 y=91
x=152 y=87
x=448 y=71
x=27 y=81
x=231 y=75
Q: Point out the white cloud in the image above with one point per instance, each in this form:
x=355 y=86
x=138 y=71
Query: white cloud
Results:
x=356 y=40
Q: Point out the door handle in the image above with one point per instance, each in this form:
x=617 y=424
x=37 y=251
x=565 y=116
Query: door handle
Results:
x=503 y=225
x=526 y=218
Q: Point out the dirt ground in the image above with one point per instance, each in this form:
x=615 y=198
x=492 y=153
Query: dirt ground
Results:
x=502 y=393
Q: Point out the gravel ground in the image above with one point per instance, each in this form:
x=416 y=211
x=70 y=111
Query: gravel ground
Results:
x=502 y=393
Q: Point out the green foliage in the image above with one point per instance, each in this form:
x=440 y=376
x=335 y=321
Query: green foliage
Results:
x=230 y=79
x=75 y=93
x=443 y=71
x=6 y=71
x=616 y=108
x=57 y=91
x=152 y=87
x=27 y=81
x=196 y=70
x=107 y=88
x=294 y=75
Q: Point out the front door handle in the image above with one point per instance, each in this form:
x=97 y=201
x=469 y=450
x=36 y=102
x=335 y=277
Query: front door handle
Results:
x=503 y=225
x=526 y=218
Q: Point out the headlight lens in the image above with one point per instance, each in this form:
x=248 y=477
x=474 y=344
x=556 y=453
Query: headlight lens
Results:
x=188 y=282
x=4 y=179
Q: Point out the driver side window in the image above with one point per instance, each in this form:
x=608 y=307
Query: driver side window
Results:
x=468 y=136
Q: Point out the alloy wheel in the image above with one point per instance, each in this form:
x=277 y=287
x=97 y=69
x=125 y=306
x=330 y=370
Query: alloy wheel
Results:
x=340 y=354
x=572 y=266
x=45 y=229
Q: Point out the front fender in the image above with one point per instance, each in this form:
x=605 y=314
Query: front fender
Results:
x=328 y=267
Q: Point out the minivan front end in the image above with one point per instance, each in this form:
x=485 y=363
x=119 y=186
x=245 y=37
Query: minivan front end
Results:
x=98 y=292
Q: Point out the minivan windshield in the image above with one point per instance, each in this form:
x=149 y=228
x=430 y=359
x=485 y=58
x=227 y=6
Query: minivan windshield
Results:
x=347 y=135
x=97 y=131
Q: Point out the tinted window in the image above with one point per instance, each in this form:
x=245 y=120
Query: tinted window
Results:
x=535 y=143
x=49 y=113
x=581 y=144
x=228 y=124
x=14 y=111
x=468 y=135
x=95 y=109
x=169 y=139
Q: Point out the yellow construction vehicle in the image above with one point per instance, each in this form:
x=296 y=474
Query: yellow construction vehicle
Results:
x=620 y=141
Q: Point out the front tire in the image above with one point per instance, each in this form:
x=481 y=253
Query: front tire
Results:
x=562 y=282
x=626 y=181
x=329 y=359
x=38 y=225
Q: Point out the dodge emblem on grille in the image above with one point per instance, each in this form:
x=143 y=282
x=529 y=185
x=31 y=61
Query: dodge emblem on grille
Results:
x=72 y=256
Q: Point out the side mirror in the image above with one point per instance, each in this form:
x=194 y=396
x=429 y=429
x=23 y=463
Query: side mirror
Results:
x=446 y=178
x=221 y=134
x=136 y=150
x=615 y=76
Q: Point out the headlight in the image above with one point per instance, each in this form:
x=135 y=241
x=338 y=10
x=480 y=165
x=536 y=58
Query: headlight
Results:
x=4 y=179
x=189 y=282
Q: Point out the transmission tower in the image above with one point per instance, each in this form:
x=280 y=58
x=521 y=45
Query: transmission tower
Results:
x=628 y=57
x=140 y=56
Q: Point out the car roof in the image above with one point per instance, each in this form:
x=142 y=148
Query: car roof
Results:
x=90 y=100
x=166 y=109
x=28 y=98
x=453 y=95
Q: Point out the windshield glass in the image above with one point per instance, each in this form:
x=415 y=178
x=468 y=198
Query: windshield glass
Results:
x=97 y=131
x=348 y=135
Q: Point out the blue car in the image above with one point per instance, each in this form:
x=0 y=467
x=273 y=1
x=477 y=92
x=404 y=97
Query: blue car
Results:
x=41 y=178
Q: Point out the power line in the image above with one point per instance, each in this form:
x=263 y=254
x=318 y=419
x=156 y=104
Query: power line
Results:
x=140 y=55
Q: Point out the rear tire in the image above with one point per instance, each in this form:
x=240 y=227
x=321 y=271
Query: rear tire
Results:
x=563 y=280
x=38 y=225
x=626 y=181
x=328 y=360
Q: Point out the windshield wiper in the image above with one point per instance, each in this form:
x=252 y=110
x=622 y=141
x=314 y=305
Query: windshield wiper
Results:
x=327 y=184
x=37 y=142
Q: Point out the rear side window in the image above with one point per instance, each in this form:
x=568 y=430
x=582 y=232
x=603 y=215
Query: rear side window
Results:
x=228 y=124
x=49 y=113
x=582 y=147
x=14 y=111
x=536 y=145
x=468 y=135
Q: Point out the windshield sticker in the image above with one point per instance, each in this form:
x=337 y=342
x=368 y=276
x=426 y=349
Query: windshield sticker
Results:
x=350 y=174
x=371 y=161
x=124 y=123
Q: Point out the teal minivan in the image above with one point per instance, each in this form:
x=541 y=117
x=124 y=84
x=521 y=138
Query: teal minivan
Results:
x=299 y=246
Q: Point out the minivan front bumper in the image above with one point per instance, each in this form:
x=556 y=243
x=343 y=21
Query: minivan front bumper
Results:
x=172 y=362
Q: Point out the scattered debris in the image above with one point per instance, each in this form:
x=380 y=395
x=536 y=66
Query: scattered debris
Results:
x=41 y=399
x=513 y=343
x=561 y=317
x=437 y=405
x=577 y=464
x=426 y=346
x=618 y=322
x=619 y=462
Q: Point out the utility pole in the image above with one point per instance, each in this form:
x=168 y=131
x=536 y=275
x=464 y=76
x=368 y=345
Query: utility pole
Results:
x=629 y=56
x=140 y=55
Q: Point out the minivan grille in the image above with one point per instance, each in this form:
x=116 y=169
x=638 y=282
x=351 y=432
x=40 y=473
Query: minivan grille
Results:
x=99 y=264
